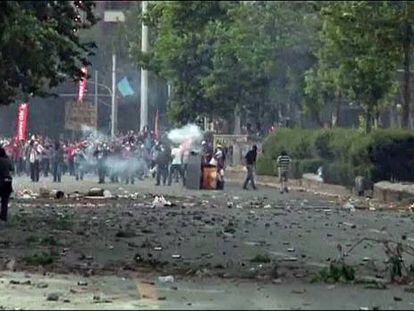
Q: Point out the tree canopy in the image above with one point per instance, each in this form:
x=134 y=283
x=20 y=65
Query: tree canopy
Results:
x=40 y=46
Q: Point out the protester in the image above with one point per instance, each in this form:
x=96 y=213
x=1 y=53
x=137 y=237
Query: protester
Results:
x=250 y=159
x=283 y=163
x=101 y=154
x=162 y=163
x=219 y=159
x=6 y=188
x=46 y=156
x=176 y=170
x=79 y=161
x=57 y=162
x=35 y=152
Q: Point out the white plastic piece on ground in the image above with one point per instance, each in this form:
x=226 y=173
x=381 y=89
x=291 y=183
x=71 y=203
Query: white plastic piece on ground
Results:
x=107 y=194
x=166 y=279
x=349 y=206
x=160 y=201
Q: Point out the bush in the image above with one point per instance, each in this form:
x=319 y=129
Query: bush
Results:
x=266 y=166
x=338 y=173
x=343 y=153
x=310 y=165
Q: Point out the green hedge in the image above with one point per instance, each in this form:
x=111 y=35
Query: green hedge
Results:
x=343 y=154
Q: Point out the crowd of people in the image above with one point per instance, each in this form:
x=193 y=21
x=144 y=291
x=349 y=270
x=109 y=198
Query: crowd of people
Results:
x=126 y=158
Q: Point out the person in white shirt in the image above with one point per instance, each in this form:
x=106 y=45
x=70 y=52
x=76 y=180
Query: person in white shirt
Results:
x=176 y=165
x=35 y=153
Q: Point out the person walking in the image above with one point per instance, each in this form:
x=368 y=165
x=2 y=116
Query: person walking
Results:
x=250 y=159
x=283 y=163
x=6 y=188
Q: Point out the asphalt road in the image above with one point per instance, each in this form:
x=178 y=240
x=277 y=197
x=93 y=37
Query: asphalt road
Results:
x=207 y=240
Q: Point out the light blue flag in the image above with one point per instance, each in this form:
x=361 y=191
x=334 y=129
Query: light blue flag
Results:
x=125 y=88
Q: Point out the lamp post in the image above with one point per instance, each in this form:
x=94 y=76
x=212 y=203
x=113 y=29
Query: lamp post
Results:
x=114 y=17
x=144 y=72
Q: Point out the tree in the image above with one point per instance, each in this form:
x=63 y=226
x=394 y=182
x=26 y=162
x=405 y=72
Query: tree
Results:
x=225 y=56
x=352 y=36
x=40 y=47
x=398 y=22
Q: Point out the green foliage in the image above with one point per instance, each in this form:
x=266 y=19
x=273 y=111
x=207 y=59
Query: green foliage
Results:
x=343 y=154
x=40 y=46
x=260 y=259
x=336 y=272
x=338 y=172
x=359 y=53
x=220 y=55
x=39 y=259
x=310 y=165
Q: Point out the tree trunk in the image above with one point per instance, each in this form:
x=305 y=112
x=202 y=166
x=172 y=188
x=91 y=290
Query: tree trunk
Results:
x=338 y=110
x=237 y=131
x=407 y=75
x=368 y=121
x=237 y=127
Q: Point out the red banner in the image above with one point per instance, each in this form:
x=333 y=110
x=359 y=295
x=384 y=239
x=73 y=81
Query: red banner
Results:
x=22 y=116
x=82 y=84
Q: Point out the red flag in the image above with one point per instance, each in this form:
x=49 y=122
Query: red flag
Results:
x=22 y=116
x=157 y=125
x=82 y=84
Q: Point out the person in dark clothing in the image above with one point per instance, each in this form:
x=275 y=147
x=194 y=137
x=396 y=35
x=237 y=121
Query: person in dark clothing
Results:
x=57 y=162
x=250 y=159
x=163 y=161
x=101 y=154
x=6 y=188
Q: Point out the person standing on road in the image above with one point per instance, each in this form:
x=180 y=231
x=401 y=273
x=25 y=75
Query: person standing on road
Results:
x=162 y=162
x=34 y=159
x=283 y=163
x=6 y=188
x=57 y=162
x=101 y=154
x=219 y=158
x=176 y=169
x=250 y=159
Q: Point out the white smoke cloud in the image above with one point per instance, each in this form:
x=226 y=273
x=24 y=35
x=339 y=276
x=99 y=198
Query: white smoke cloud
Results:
x=188 y=133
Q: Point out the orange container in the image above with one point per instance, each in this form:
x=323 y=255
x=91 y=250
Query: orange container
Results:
x=209 y=177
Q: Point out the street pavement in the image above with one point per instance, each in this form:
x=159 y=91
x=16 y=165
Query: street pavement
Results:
x=230 y=249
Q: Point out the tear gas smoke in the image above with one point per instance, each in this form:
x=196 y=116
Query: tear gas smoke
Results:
x=189 y=136
x=114 y=164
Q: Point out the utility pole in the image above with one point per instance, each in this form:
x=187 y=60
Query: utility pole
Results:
x=144 y=73
x=96 y=89
x=114 y=17
x=114 y=110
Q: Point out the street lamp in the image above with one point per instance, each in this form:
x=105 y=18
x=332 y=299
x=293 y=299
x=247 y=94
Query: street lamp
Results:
x=144 y=72
x=114 y=17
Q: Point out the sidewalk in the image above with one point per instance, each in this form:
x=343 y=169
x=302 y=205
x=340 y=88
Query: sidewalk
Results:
x=385 y=193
